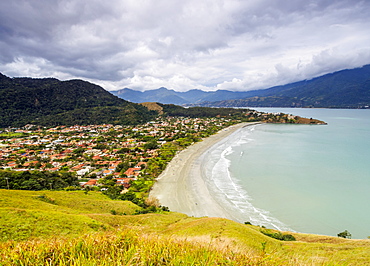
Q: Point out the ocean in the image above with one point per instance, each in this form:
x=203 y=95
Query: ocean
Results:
x=303 y=178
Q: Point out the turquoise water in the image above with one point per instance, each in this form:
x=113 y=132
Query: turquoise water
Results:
x=305 y=178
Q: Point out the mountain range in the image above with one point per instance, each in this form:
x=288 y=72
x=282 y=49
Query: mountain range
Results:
x=348 y=88
x=166 y=96
x=50 y=102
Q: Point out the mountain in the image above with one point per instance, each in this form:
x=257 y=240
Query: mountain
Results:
x=161 y=95
x=348 y=88
x=50 y=102
x=166 y=96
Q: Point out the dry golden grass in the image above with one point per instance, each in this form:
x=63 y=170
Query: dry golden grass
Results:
x=153 y=107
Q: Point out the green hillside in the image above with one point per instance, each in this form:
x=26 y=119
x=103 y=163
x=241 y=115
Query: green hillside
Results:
x=51 y=102
x=77 y=228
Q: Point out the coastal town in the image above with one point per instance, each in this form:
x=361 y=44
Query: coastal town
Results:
x=97 y=151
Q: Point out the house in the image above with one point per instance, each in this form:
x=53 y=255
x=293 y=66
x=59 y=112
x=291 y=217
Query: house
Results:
x=78 y=167
x=124 y=181
x=133 y=172
x=53 y=169
x=90 y=183
x=82 y=172
x=107 y=172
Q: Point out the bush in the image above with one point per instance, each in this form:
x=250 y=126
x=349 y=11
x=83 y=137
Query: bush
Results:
x=279 y=236
x=345 y=234
x=288 y=237
x=46 y=199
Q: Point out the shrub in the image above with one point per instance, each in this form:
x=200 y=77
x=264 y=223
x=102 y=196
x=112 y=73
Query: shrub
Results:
x=278 y=235
x=46 y=199
x=344 y=234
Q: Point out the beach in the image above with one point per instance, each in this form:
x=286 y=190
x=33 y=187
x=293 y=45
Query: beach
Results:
x=181 y=188
x=311 y=179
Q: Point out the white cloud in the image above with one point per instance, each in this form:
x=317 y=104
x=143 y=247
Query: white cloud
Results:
x=182 y=45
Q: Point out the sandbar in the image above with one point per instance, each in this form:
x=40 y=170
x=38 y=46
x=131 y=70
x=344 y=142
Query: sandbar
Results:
x=180 y=186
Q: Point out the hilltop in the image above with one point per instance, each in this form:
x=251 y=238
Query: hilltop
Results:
x=64 y=227
x=51 y=102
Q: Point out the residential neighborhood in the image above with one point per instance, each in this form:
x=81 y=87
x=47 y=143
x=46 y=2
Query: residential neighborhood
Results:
x=97 y=151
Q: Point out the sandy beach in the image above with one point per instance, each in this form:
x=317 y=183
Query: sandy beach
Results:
x=181 y=188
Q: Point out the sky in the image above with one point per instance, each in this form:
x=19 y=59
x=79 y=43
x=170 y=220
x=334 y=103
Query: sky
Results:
x=236 y=45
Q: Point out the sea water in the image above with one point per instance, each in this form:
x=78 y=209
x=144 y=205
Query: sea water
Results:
x=304 y=178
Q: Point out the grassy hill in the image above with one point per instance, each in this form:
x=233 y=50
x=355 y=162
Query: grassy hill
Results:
x=75 y=228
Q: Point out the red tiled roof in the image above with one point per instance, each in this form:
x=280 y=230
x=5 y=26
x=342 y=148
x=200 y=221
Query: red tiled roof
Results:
x=91 y=182
x=133 y=171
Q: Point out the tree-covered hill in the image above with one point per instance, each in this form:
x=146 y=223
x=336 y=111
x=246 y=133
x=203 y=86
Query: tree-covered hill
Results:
x=52 y=102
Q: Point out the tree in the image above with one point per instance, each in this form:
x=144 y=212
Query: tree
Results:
x=151 y=145
x=345 y=234
x=122 y=167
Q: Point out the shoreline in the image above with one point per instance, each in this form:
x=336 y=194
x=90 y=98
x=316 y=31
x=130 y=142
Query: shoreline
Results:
x=179 y=189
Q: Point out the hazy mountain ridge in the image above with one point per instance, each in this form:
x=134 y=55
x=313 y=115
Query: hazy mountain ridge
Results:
x=349 y=88
x=167 y=96
x=341 y=89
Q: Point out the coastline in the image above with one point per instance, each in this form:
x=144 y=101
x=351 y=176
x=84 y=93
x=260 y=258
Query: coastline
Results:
x=180 y=186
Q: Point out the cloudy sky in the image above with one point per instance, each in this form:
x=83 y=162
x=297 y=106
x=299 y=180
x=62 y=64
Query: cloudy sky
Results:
x=183 y=44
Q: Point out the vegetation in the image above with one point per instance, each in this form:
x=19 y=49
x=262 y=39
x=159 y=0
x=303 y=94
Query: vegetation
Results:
x=52 y=102
x=112 y=224
x=90 y=229
x=36 y=180
x=201 y=112
x=278 y=235
x=33 y=214
x=345 y=234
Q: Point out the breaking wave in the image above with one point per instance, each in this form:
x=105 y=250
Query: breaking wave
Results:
x=227 y=190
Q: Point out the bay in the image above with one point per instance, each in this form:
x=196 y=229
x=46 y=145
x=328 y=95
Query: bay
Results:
x=304 y=178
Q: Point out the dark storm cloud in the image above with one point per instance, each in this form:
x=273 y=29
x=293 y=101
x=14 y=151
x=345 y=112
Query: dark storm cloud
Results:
x=206 y=44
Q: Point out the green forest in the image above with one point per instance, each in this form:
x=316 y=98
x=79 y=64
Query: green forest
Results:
x=50 y=102
x=37 y=180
